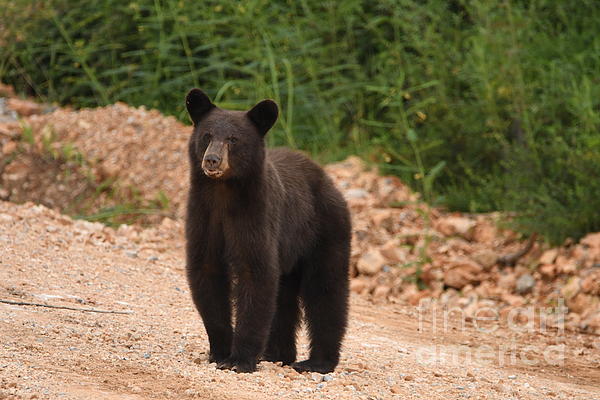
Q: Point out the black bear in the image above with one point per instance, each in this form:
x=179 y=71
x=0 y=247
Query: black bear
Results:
x=266 y=232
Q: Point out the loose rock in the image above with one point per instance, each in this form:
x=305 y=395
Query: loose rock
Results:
x=370 y=263
x=525 y=284
x=460 y=226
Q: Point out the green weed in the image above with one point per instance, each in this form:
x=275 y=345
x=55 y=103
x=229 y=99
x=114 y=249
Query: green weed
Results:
x=503 y=96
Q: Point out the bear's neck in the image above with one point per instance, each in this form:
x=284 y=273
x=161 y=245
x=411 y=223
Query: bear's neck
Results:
x=235 y=190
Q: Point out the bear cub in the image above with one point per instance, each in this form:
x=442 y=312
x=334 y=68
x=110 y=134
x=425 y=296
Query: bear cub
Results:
x=268 y=235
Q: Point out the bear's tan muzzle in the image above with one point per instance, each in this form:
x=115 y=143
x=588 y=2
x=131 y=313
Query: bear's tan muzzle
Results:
x=215 y=162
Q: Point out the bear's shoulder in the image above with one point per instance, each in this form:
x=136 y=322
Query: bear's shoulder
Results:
x=298 y=173
x=283 y=157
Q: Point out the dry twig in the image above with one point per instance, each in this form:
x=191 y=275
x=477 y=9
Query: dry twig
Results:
x=26 y=303
x=512 y=258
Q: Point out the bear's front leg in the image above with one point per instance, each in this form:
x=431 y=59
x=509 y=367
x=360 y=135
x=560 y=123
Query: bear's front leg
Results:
x=210 y=291
x=256 y=295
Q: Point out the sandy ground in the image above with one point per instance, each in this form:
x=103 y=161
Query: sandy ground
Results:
x=159 y=349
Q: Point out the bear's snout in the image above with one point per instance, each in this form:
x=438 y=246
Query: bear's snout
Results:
x=215 y=162
x=212 y=161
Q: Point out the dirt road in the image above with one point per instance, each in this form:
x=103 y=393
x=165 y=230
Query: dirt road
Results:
x=159 y=349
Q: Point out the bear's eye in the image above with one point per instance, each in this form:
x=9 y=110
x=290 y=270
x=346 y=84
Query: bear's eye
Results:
x=232 y=140
x=207 y=136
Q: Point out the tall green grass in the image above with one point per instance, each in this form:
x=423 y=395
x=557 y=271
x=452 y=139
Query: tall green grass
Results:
x=481 y=105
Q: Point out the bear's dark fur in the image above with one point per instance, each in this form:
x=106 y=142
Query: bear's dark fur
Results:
x=265 y=229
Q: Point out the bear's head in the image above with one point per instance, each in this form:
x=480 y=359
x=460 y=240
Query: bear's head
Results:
x=228 y=144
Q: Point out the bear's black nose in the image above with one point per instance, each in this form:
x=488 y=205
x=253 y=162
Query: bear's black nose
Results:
x=212 y=161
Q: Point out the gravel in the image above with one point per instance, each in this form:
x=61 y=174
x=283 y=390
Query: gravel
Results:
x=159 y=351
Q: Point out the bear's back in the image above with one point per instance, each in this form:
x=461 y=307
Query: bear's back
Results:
x=312 y=206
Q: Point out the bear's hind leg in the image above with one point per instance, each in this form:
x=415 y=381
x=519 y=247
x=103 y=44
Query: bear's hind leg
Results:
x=282 y=338
x=324 y=293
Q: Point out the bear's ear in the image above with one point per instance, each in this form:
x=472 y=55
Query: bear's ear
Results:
x=264 y=115
x=198 y=104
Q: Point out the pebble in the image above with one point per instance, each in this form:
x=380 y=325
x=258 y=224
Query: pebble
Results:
x=6 y=114
x=9 y=147
x=327 y=378
x=486 y=258
x=525 y=284
x=6 y=218
x=47 y=297
x=291 y=373
x=512 y=377
x=500 y=388
x=358 y=285
x=153 y=258
x=132 y=254
x=381 y=291
x=370 y=263
x=356 y=194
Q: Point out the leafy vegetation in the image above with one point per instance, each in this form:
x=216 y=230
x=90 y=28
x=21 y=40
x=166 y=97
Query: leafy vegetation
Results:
x=480 y=105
